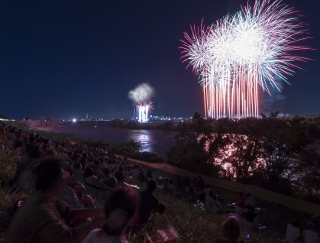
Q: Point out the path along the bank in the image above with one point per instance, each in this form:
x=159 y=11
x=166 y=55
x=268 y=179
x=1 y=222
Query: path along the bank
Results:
x=290 y=202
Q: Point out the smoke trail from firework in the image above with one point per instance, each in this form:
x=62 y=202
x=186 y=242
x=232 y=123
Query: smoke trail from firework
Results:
x=141 y=97
x=142 y=93
x=242 y=53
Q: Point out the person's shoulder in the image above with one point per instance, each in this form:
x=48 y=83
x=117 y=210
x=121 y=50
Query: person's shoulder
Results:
x=93 y=236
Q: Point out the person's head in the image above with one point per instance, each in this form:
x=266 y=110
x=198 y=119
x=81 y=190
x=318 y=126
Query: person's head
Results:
x=50 y=177
x=18 y=134
x=77 y=166
x=121 y=168
x=88 y=172
x=211 y=193
x=251 y=208
x=35 y=152
x=310 y=226
x=119 y=176
x=230 y=228
x=121 y=209
x=295 y=223
x=105 y=172
x=68 y=171
x=161 y=207
x=151 y=186
x=32 y=139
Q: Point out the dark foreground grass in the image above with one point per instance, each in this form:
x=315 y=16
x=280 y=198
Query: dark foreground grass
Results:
x=195 y=225
x=192 y=223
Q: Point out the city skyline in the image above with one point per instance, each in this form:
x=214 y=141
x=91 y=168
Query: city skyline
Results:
x=64 y=59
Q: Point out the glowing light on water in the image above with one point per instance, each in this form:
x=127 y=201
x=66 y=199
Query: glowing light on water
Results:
x=244 y=54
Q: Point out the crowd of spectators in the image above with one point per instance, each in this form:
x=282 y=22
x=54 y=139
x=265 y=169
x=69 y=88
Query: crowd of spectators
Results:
x=67 y=182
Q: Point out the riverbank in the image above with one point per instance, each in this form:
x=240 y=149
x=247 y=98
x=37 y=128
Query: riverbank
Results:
x=192 y=223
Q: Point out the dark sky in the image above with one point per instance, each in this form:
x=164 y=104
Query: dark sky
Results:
x=64 y=59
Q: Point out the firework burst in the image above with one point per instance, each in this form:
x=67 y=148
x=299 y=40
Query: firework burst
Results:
x=141 y=97
x=244 y=53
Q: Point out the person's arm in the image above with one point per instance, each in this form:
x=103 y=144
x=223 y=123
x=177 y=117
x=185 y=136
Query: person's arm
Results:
x=54 y=230
x=77 y=214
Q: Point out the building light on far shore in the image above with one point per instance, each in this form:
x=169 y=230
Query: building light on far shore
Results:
x=74 y=120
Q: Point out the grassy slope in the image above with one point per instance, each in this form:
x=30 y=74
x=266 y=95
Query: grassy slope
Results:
x=192 y=223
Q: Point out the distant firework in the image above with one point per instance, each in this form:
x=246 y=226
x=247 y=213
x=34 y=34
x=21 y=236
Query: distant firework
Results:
x=243 y=53
x=141 y=97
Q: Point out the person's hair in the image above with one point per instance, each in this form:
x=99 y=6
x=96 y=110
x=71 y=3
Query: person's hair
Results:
x=121 y=168
x=119 y=176
x=230 y=228
x=295 y=223
x=310 y=226
x=47 y=173
x=77 y=166
x=88 y=172
x=105 y=171
x=97 y=162
x=121 y=209
x=32 y=139
x=151 y=186
x=34 y=152
x=161 y=207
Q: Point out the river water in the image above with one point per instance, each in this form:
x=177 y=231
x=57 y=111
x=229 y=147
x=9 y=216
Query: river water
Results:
x=155 y=141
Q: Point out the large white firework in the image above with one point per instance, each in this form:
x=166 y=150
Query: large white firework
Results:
x=141 y=97
x=142 y=93
x=242 y=54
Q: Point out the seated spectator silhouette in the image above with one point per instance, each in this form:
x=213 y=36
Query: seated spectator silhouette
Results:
x=148 y=202
x=95 y=187
x=142 y=175
x=200 y=183
x=159 y=220
x=252 y=217
x=17 y=143
x=69 y=195
x=230 y=230
x=120 y=177
x=110 y=181
x=250 y=200
x=310 y=235
x=121 y=210
x=25 y=166
x=240 y=200
x=171 y=187
x=211 y=204
x=149 y=173
x=44 y=218
x=293 y=234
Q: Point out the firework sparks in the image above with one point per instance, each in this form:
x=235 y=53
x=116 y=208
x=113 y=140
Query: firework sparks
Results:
x=242 y=54
x=141 y=97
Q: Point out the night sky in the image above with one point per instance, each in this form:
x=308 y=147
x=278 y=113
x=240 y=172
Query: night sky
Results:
x=65 y=59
